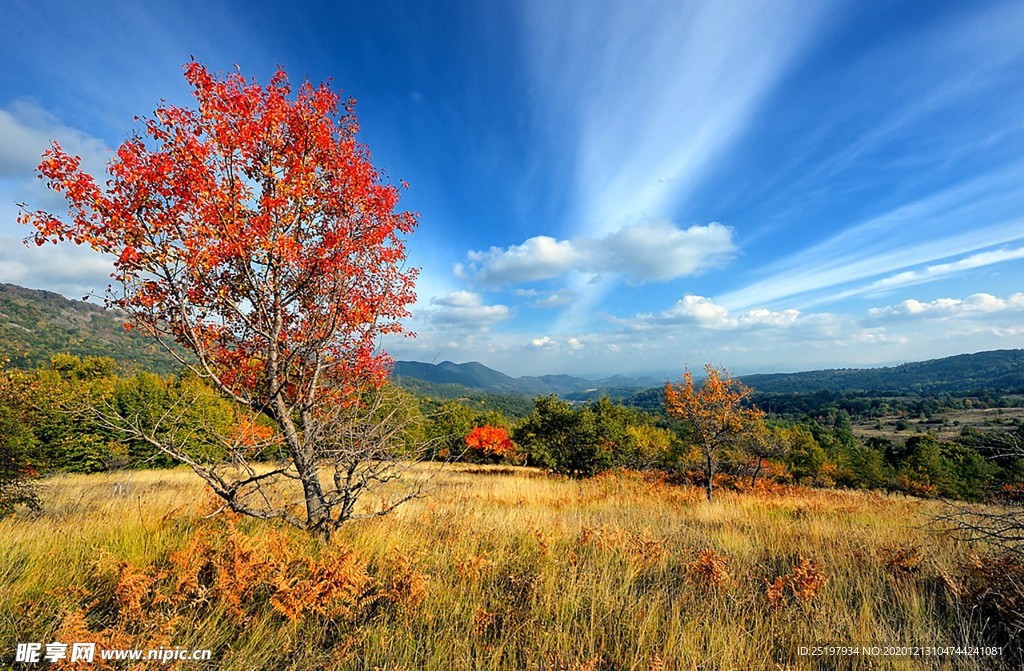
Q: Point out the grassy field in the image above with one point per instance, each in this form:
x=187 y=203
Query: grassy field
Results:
x=946 y=425
x=495 y=569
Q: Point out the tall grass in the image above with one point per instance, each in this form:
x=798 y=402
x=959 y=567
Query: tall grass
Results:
x=496 y=569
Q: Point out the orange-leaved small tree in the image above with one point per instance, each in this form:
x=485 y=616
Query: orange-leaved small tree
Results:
x=715 y=413
x=255 y=233
x=491 y=441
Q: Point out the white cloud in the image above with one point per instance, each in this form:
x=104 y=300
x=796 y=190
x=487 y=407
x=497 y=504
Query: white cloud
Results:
x=980 y=303
x=67 y=269
x=875 y=337
x=27 y=131
x=705 y=312
x=702 y=310
x=544 y=342
x=643 y=252
x=659 y=250
x=766 y=317
x=538 y=258
x=465 y=309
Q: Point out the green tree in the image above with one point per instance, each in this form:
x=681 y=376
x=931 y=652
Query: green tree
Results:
x=448 y=427
x=763 y=443
x=970 y=474
x=862 y=466
x=648 y=446
x=563 y=439
x=17 y=443
x=67 y=393
x=924 y=471
x=806 y=456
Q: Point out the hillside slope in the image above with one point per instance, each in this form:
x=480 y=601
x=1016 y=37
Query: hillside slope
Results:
x=997 y=370
x=35 y=325
x=474 y=375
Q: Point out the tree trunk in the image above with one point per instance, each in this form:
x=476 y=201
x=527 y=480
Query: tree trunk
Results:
x=318 y=519
x=710 y=471
x=318 y=515
x=757 y=471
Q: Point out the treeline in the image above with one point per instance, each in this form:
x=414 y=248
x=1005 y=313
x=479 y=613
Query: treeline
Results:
x=823 y=404
x=584 y=440
x=60 y=417
x=54 y=419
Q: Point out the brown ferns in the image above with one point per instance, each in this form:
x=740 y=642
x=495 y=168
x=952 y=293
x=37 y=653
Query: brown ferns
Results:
x=709 y=569
x=804 y=583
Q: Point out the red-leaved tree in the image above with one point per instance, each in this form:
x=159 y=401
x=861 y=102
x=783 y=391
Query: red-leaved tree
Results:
x=491 y=441
x=254 y=232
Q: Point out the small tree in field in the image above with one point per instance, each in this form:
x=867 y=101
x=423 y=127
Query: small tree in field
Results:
x=491 y=442
x=763 y=443
x=254 y=232
x=715 y=414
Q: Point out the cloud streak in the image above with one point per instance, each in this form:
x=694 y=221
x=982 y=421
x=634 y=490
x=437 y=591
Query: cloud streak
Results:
x=656 y=91
x=941 y=270
x=946 y=224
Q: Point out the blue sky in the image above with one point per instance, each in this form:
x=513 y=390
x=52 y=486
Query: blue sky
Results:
x=610 y=187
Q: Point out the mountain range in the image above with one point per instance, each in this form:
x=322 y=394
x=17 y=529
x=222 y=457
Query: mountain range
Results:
x=474 y=375
x=35 y=325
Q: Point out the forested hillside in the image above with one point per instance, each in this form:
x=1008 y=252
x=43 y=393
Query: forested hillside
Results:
x=36 y=325
x=474 y=375
x=998 y=371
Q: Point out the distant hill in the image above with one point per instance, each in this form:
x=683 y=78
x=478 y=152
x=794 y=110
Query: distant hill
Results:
x=476 y=376
x=997 y=371
x=35 y=325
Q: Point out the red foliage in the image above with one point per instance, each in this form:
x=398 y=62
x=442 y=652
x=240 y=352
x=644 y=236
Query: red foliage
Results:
x=254 y=231
x=492 y=441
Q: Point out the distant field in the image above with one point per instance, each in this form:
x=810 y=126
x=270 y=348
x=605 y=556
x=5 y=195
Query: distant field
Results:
x=945 y=425
x=497 y=569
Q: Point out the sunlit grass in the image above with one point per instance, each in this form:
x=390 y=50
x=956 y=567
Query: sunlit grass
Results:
x=521 y=570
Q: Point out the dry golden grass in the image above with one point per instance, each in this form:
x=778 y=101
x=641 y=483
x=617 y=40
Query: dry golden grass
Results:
x=496 y=569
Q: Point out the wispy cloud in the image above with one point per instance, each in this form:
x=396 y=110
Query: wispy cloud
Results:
x=653 y=93
x=957 y=220
x=938 y=271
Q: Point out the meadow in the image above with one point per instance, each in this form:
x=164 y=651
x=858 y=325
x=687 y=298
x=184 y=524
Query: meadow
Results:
x=499 y=568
